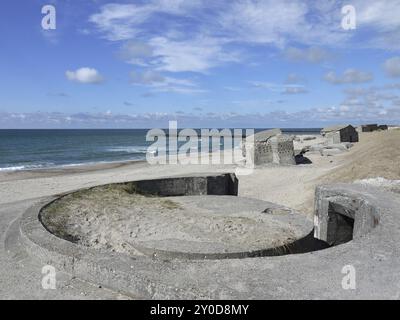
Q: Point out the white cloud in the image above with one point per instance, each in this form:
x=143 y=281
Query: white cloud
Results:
x=283 y=89
x=197 y=35
x=264 y=22
x=135 y=52
x=196 y=55
x=147 y=78
x=367 y=98
x=280 y=23
x=84 y=75
x=349 y=76
x=383 y=14
x=124 y=21
x=118 y=21
x=258 y=21
x=159 y=83
x=392 y=67
x=381 y=20
x=307 y=118
x=311 y=55
x=294 y=90
x=266 y=85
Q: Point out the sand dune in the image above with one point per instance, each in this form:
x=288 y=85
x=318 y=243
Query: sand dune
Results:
x=376 y=155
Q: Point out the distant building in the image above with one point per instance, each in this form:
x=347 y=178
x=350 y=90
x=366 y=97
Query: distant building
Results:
x=271 y=146
x=369 y=127
x=383 y=127
x=340 y=133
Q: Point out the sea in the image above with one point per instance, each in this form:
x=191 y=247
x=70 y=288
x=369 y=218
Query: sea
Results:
x=35 y=149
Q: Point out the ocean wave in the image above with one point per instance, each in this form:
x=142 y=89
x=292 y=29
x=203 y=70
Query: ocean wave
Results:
x=12 y=168
x=142 y=150
x=26 y=167
x=61 y=166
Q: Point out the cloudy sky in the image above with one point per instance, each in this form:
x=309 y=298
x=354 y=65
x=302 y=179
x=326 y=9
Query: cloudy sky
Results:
x=224 y=63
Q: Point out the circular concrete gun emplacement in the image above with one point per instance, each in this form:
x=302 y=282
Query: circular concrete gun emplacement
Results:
x=193 y=238
x=154 y=218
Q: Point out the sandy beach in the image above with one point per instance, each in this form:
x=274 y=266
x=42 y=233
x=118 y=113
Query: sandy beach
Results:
x=376 y=155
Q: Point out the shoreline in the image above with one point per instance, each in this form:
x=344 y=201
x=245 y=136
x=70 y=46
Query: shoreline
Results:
x=291 y=186
x=65 y=170
x=102 y=153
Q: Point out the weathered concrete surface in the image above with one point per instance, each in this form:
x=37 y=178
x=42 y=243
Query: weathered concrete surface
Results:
x=374 y=253
x=341 y=216
x=383 y=127
x=224 y=184
x=369 y=127
x=340 y=133
x=270 y=146
x=283 y=150
x=190 y=227
x=327 y=149
x=21 y=273
x=266 y=134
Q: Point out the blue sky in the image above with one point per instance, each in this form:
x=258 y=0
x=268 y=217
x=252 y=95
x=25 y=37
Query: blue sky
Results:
x=243 y=63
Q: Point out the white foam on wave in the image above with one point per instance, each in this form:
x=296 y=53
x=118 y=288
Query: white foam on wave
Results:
x=128 y=149
x=12 y=168
x=27 y=167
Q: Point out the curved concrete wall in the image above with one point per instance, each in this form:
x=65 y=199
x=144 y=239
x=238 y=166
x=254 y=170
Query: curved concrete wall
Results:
x=224 y=184
x=373 y=252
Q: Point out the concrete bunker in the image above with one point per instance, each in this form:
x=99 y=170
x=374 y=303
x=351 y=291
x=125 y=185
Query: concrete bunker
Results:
x=340 y=224
x=179 y=218
x=369 y=127
x=270 y=146
x=167 y=278
x=341 y=217
x=201 y=218
x=340 y=133
x=224 y=184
